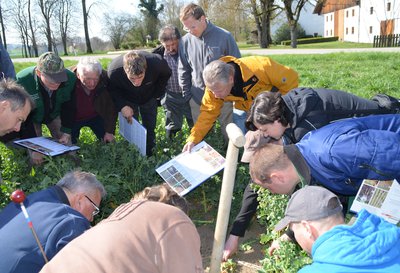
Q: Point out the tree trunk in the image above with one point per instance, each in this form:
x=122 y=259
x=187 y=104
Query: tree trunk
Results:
x=293 y=35
x=33 y=38
x=85 y=26
x=4 y=41
x=64 y=43
x=263 y=21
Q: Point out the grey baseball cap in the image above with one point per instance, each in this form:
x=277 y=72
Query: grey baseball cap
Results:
x=52 y=66
x=310 y=203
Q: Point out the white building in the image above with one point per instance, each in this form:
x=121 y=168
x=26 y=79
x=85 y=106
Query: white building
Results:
x=359 y=20
x=309 y=21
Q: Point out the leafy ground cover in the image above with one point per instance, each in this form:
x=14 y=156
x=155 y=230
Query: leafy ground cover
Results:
x=123 y=171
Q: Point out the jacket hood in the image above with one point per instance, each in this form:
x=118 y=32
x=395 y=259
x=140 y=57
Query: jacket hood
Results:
x=370 y=242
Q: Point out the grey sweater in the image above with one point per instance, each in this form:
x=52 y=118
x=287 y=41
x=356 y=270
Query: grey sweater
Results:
x=195 y=53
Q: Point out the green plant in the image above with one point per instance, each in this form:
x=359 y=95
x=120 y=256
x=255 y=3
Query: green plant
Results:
x=228 y=267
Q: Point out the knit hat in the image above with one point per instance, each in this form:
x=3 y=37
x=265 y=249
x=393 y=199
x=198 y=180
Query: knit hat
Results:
x=310 y=203
x=52 y=66
x=254 y=140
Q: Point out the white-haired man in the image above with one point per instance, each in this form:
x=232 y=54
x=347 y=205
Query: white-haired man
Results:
x=92 y=103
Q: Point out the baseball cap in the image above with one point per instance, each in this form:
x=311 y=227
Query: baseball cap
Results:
x=254 y=140
x=310 y=203
x=52 y=66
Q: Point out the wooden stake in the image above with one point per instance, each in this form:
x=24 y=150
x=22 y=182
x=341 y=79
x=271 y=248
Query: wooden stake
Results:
x=236 y=140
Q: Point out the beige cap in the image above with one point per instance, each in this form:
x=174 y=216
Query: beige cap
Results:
x=254 y=139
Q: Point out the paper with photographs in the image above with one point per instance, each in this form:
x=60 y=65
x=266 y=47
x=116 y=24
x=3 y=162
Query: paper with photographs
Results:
x=46 y=145
x=134 y=133
x=188 y=170
x=380 y=197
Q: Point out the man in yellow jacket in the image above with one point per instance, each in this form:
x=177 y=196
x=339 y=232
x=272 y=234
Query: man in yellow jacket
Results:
x=238 y=80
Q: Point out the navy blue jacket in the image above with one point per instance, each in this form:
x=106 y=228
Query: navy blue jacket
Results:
x=308 y=109
x=342 y=154
x=55 y=222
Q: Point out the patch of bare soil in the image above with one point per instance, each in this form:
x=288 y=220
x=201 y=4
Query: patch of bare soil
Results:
x=247 y=261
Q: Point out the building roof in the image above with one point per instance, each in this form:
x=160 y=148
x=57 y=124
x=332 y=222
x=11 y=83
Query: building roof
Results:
x=327 y=6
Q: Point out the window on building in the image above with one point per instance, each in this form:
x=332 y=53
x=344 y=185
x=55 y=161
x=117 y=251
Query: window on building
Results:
x=370 y=29
x=327 y=17
x=331 y=17
x=353 y=12
x=371 y=10
x=352 y=30
x=327 y=33
x=388 y=6
x=331 y=32
x=347 y=30
x=347 y=13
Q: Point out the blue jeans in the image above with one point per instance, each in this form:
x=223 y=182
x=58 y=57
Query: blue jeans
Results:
x=96 y=124
x=239 y=118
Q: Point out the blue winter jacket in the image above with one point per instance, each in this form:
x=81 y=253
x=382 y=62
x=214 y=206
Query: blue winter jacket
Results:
x=56 y=224
x=342 y=154
x=370 y=245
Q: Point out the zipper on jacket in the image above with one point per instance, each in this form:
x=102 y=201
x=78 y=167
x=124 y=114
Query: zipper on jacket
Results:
x=368 y=167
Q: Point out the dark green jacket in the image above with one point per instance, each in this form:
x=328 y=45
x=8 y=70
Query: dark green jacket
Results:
x=28 y=79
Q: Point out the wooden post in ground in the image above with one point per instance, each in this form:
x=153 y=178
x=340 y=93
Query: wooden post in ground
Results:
x=236 y=140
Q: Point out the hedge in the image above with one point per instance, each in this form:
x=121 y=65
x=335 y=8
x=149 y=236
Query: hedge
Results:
x=311 y=40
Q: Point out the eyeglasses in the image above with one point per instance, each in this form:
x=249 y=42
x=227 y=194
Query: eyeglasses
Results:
x=96 y=208
x=192 y=27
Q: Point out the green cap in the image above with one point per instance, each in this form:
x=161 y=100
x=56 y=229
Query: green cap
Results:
x=52 y=66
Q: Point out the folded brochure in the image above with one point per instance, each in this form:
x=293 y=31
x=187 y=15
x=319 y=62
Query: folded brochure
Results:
x=188 y=170
x=380 y=197
x=46 y=145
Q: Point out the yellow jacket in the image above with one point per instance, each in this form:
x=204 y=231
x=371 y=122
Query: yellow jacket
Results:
x=259 y=74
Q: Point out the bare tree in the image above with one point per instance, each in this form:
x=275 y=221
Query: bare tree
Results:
x=47 y=8
x=20 y=20
x=32 y=29
x=206 y=5
x=263 y=14
x=293 y=9
x=116 y=27
x=171 y=12
x=231 y=15
x=85 y=12
x=65 y=13
x=3 y=39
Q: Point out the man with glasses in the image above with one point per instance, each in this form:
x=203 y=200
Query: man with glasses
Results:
x=59 y=214
x=149 y=234
x=137 y=80
x=91 y=101
x=49 y=85
x=203 y=44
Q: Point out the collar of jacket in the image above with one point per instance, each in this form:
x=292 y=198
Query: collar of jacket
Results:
x=237 y=89
x=208 y=29
x=60 y=194
x=299 y=163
